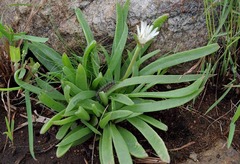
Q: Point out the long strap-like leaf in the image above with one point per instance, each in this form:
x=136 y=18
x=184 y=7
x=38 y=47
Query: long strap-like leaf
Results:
x=161 y=105
x=152 y=137
x=178 y=58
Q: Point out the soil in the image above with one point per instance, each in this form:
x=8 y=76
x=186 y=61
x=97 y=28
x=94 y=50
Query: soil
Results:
x=189 y=130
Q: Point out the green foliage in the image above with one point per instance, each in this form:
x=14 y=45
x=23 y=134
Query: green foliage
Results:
x=95 y=101
x=12 y=57
x=226 y=31
x=30 y=123
x=10 y=128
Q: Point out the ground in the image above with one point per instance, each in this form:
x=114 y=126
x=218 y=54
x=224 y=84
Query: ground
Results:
x=189 y=131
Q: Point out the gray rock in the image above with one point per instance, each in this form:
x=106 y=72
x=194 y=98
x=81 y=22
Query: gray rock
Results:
x=217 y=154
x=185 y=28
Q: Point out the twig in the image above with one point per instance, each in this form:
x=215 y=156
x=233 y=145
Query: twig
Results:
x=222 y=116
x=52 y=145
x=35 y=118
x=193 y=67
x=8 y=110
x=206 y=117
x=150 y=160
x=182 y=147
x=93 y=149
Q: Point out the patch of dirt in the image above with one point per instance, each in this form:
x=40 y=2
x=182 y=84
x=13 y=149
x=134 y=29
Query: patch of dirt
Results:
x=44 y=145
x=189 y=130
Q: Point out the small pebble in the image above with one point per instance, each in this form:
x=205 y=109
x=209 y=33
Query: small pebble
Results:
x=193 y=156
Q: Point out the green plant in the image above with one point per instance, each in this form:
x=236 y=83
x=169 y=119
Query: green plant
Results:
x=222 y=18
x=10 y=128
x=13 y=51
x=103 y=101
x=13 y=56
x=233 y=125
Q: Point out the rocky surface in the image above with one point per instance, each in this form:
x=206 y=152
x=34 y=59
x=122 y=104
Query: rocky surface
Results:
x=217 y=154
x=55 y=19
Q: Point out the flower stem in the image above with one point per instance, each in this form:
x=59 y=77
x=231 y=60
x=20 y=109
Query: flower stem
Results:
x=129 y=69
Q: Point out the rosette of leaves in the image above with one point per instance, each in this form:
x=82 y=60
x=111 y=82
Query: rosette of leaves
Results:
x=94 y=101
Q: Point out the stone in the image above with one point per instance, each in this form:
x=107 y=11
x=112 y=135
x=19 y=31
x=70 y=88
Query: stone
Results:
x=219 y=153
x=55 y=19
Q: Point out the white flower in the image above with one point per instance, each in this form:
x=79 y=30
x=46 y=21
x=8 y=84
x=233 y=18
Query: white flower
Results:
x=146 y=33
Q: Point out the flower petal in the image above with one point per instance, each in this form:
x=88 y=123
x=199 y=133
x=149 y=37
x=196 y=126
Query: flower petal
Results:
x=146 y=32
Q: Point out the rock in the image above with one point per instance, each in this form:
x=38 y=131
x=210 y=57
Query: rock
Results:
x=55 y=19
x=185 y=29
x=217 y=154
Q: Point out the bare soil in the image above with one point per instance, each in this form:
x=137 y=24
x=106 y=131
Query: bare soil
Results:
x=189 y=130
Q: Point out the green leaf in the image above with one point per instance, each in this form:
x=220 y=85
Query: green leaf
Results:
x=122 y=99
x=133 y=145
x=119 y=114
x=47 y=56
x=80 y=96
x=92 y=128
x=75 y=136
x=48 y=89
x=87 y=52
x=103 y=97
x=158 y=79
x=231 y=134
x=96 y=110
x=63 y=131
x=10 y=89
x=47 y=100
x=47 y=125
x=61 y=150
x=4 y=32
x=177 y=93
x=81 y=78
x=29 y=38
x=236 y=115
x=97 y=80
x=10 y=130
x=152 y=121
x=89 y=103
x=86 y=29
x=65 y=120
x=106 y=150
x=115 y=62
x=74 y=89
x=26 y=85
x=66 y=91
x=160 y=20
x=106 y=54
x=178 y=58
x=129 y=116
x=120 y=22
x=30 y=123
x=70 y=74
x=66 y=61
x=161 y=105
x=104 y=121
x=152 y=137
x=219 y=100
x=15 y=54
x=95 y=61
x=120 y=146
x=148 y=56
x=82 y=114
